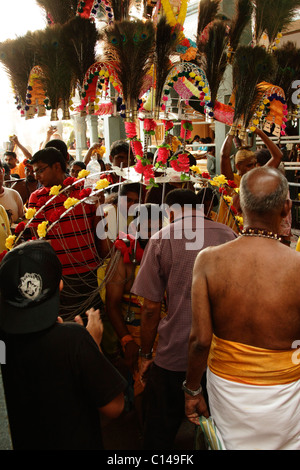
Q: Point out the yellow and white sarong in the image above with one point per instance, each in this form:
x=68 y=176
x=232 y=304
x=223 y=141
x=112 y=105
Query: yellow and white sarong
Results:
x=254 y=396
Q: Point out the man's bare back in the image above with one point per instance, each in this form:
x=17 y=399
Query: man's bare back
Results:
x=253 y=287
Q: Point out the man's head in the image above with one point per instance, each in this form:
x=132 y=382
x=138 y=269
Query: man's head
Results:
x=29 y=173
x=264 y=195
x=245 y=160
x=178 y=200
x=120 y=152
x=49 y=166
x=30 y=281
x=76 y=167
x=11 y=159
x=148 y=220
x=59 y=145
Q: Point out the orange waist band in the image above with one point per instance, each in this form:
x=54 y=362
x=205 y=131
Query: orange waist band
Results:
x=248 y=364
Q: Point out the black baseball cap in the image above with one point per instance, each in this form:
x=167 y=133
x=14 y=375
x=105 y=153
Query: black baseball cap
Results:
x=29 y=288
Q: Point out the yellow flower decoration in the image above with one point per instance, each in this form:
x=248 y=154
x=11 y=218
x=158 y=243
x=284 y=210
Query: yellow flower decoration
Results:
x=237 y=190
x=239 y=220
x=9 y=242
x=214 y=183
x=54 y=191
x=228 y=199
x=30 y=213
x=71 y=201
x=42 y=229
x=196 y=169
x=101 y=184
x=221 y=179
x=83 y=174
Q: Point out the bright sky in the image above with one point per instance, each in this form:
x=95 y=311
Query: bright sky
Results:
x=17 y=17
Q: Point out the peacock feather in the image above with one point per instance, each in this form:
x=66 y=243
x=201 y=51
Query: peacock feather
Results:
x=130 y=44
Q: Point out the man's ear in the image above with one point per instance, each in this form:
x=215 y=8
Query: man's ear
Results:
x=111 y=159
x=287 y=206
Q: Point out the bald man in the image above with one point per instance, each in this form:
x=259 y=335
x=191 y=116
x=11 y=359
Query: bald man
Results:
x=246 y=325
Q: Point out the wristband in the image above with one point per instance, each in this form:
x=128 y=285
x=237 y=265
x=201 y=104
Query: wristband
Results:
x=145 y=355
x=126 y=339
x=193 y=393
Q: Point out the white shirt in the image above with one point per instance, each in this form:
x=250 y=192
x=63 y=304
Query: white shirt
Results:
x=11 y=200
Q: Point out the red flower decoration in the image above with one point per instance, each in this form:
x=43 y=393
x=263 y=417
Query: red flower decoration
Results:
x=168 y=125
x=137 y=147
x=182 y=163
x=55 y=215
x=19 y=228
x=68 y=181
x=163 y=155
x=223 y=191
x=206 y=175
x=85 y=192
x=149 y=125
x=130 y=129
x=231 y=184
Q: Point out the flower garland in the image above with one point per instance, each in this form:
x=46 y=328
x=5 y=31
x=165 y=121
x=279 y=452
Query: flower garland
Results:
x=180 y=163
x=171 y=18
x=186 y=130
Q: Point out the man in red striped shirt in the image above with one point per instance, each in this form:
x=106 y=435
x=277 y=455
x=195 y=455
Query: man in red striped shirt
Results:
x=72 y=237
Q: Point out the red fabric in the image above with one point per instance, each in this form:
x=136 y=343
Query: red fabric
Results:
x=126 y=251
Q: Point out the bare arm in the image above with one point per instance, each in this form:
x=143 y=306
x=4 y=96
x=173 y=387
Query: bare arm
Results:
x=276 y=154
x=115 y=290
x=199 y=341
x=90 y=152
x=150 y=318
x=114 y=408
x=25 y=152
x=225 y=154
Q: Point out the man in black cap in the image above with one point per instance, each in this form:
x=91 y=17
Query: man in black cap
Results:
x=56 y=379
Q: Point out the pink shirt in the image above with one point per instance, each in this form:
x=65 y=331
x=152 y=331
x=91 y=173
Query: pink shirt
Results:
x=167 y=267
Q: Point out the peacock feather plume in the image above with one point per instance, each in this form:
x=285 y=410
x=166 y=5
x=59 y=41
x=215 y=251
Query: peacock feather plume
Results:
x=80 y=37
x=272 y=17
x=166 y=41
x=251 y=66
x=287 y=69
x=239 y=21
x=130 y=44
x=59 y=11
x=212 y=55
x=207 y=12
x=18 y=58
x=52 y=58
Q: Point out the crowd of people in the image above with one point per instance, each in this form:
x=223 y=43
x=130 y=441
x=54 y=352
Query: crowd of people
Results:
x=162 y=316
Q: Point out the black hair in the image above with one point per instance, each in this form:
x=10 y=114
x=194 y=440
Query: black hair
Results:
x=59 y=145
x=49 y=155
x=182 y=197
x=262 y=156
x=9 y=153
x=119 y=146
x=130 y=187
x=80 y=164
